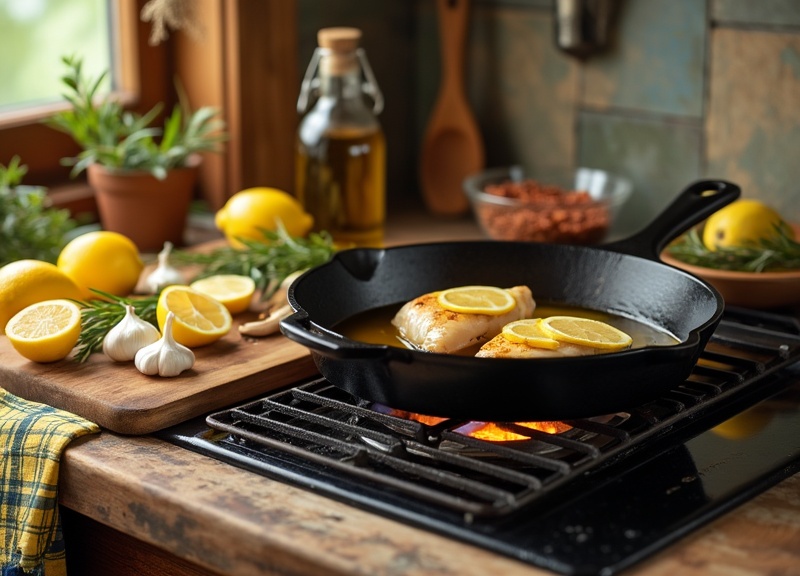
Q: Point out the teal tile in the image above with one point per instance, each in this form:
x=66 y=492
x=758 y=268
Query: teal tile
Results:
x=655 y=62
x=660 y=159
x=523 y=89
x=753 y=126
x=771 y=12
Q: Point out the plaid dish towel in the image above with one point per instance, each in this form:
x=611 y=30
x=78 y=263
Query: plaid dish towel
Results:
x=32 y=438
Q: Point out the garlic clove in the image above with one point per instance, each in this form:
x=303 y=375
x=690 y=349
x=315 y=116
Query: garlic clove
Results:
x=266 y=326
x=164 y=273
x=128 y=336
x=166 y=357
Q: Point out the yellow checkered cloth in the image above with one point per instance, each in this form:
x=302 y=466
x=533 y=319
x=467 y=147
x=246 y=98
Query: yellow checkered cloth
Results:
x=32 y=438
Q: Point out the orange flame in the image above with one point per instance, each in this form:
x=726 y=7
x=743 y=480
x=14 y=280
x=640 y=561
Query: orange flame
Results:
x=493 y=433
x=421 y=418
x=487 y=431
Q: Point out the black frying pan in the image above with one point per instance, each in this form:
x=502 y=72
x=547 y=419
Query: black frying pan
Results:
x=624 y=278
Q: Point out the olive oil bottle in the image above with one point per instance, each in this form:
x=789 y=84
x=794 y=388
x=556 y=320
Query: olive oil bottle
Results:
x=341 y=149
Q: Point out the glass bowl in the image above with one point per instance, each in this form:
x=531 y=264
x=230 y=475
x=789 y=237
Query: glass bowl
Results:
x=578 y=207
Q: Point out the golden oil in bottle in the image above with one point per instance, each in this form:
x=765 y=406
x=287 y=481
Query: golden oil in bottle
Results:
x=341 y=183
x=341 y=151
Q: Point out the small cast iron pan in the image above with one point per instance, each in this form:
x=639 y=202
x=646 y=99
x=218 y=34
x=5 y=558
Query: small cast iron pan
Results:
x=624 y=278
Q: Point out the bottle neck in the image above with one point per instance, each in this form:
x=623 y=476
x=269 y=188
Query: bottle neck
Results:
x=340 y=75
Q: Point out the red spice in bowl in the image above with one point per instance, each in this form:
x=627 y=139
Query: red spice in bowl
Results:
x=535 y=211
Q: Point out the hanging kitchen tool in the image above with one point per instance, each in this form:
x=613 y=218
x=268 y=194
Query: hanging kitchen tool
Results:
x=625 y=279
x=582 y=27
x=452 y=148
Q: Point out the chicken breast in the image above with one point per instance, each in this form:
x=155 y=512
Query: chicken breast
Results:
x=500 y=347
x=425 y=325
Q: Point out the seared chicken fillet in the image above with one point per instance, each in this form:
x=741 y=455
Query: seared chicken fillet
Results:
x=424 y=324
x=500 y=347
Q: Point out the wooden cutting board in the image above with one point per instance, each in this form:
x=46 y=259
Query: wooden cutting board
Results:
x=120 y=398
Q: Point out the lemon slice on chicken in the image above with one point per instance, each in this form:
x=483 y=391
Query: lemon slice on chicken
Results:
x=586 y=332
x=528 y=332
x=477 y=300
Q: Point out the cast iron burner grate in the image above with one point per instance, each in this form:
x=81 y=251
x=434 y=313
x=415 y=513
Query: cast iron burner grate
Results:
x=442 y=465
x=549 y=499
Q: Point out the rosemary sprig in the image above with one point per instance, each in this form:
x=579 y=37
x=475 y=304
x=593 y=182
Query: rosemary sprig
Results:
x=266 y=261
x=776 y=254
x=100 y=316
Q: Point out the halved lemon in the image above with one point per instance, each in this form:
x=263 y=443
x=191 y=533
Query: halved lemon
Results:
x=585 y=332
x=199 y=318
x=477 y=300
x=528 y=332
x=234 y=290
x=46 y=331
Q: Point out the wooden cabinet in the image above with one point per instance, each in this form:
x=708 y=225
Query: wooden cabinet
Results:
x=94 y=549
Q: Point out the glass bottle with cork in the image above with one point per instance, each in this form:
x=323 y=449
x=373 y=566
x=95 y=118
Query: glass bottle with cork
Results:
x=341 y=150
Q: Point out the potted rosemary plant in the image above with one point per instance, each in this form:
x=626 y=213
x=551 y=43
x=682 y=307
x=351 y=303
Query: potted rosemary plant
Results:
x=143 y=175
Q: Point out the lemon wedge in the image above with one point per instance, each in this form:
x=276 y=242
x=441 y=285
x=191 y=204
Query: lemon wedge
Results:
x=234 y=290
x=477 y=300
x=585 y=332
x=528 y=332
x=199 y=318
x=46 y=331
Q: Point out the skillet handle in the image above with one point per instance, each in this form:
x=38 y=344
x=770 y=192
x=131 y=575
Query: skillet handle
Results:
x=692 y=206
x=298 y=327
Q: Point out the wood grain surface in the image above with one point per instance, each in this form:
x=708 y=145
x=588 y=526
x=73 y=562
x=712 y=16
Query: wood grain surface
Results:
x=231 y=521
x=120 y=398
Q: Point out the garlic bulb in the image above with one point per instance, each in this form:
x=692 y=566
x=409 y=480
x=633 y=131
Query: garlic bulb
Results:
x=164 y=274
x=129 y=335
x=165 y=357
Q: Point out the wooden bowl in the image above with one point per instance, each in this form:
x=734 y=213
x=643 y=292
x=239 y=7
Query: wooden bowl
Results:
x=748 y=289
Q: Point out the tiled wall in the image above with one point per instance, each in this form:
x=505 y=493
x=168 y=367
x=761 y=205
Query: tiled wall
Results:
x=687 y=89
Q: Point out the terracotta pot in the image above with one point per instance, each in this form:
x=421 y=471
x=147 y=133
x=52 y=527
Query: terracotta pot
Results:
x=147 y=210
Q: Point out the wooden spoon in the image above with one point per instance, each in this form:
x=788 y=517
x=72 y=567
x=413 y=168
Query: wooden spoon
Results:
x=452 y=148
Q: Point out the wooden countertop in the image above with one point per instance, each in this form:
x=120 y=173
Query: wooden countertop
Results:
x=238 y=523
x=235 y=522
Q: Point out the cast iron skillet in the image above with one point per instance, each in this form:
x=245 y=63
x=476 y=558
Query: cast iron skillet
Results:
x=624 y=278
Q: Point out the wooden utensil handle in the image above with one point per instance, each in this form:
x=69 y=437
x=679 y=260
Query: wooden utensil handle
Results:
x=453 y=16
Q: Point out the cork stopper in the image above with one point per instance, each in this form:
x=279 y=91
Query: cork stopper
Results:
x=342 y=43
x=339 y=39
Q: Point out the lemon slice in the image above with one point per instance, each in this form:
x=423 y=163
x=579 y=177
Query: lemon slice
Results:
x=477 y=300
x=233 y=290
x=528 y=332
x=199 y=318
x=585 y=332
x=46 y=331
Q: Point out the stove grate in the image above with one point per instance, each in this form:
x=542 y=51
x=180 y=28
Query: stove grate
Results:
x=439 y=464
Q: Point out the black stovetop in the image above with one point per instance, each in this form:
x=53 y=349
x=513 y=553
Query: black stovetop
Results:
x=728 y=433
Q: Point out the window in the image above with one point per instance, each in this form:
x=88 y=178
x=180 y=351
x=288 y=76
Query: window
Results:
x=118 y=43
x=39 y=31
x=245 y=64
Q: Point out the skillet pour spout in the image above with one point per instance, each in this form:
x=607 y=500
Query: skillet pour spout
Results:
x=624 y=278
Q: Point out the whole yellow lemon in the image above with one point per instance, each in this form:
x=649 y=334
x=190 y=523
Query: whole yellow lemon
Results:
x=102 y=260
x=742 y=223
x=250 y=211
x=27 y=282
